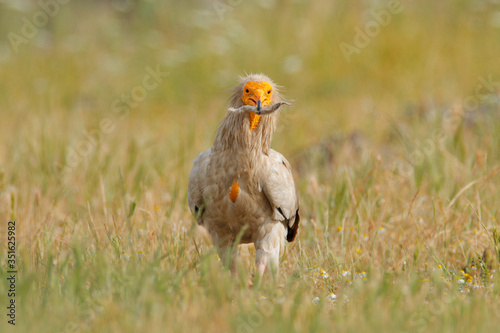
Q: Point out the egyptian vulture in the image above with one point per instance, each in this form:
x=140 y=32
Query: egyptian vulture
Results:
x=241 y=190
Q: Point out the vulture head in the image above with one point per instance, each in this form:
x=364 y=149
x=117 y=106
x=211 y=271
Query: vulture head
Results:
x=257 y=94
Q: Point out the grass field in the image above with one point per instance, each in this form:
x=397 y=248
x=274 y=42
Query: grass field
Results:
x=395 y=150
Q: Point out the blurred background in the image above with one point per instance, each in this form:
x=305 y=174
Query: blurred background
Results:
x=63 y=63
x=131 y=91
x=394 y=139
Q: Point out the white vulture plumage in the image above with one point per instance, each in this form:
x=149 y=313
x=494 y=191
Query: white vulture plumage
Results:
x=241 y=190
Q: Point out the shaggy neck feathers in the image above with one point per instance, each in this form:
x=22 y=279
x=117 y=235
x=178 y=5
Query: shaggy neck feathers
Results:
x=244 y=136
x=235 y=134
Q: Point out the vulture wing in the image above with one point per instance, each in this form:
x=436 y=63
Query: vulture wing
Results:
x=196 y=184
x=279 y=188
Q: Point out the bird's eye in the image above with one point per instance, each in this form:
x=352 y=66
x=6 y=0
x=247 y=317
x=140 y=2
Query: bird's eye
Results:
x=247 y=91
x=269 y=92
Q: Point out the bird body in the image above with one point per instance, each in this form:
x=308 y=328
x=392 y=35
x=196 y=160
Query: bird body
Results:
x=240 y=189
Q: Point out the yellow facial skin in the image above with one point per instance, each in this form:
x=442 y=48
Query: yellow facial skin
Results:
x=255 y=94
x=257 y=91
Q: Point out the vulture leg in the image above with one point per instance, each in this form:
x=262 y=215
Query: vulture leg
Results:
x=269 y=248
x=227 y=255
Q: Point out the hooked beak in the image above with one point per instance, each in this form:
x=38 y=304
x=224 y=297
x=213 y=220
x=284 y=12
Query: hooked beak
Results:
x=259 y=94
